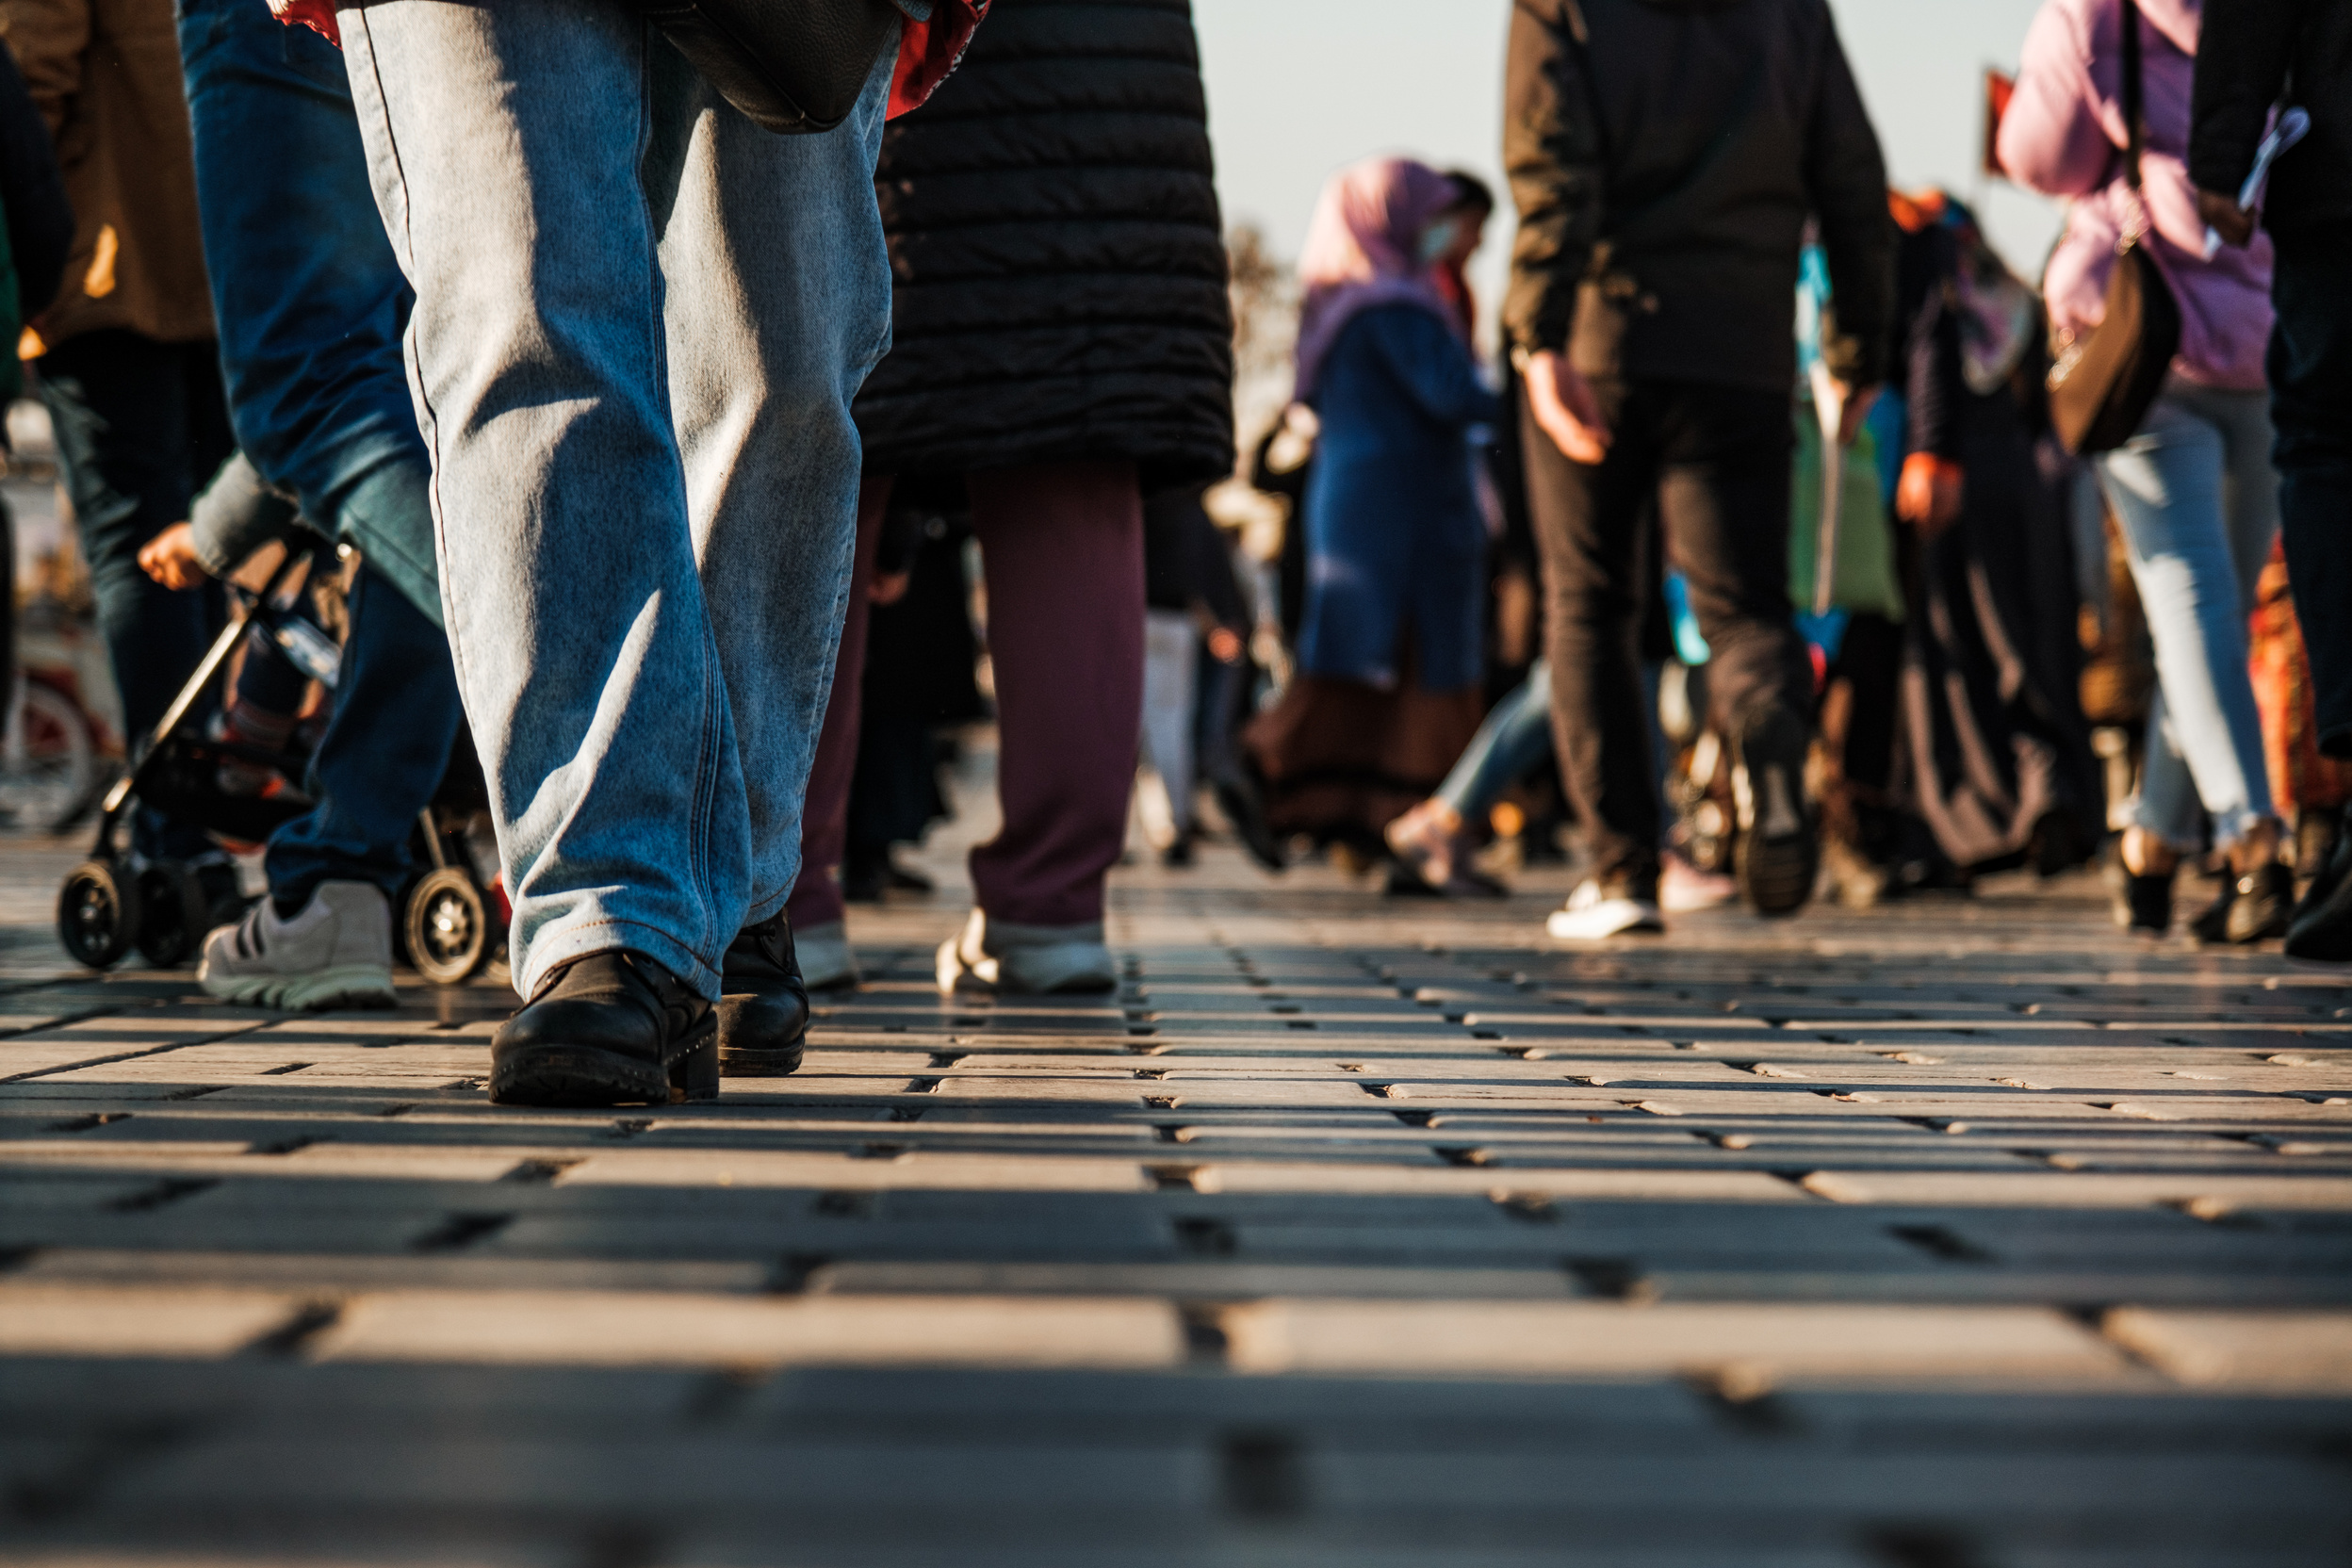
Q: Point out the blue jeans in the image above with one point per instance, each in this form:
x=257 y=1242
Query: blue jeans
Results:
x=2199 y=504
x=312 y=303
x=1511 y=743
x=308 y=294
x=639 y=321
x=385 y=748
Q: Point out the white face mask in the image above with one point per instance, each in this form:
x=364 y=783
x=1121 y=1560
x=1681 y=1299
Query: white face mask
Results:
x=1438 y=238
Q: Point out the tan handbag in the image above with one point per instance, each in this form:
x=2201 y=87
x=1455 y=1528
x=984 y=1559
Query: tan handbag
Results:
x=2104 y=383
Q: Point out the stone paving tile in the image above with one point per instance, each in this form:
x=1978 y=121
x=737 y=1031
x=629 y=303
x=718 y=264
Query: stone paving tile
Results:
x=1341 y=1232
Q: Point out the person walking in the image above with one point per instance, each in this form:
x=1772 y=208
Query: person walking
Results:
x=2297 y=54
x=2000 y=756
x=2194 y=490
x=127 y=366
x=1064 y=347
x=1665 y=155
x=311 y=304
x=1390 y=658
x=639 y=322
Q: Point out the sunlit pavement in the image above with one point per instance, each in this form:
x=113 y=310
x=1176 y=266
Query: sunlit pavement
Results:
x=1351 y=1231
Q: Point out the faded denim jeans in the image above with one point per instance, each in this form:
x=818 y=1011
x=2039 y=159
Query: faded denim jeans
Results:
x=2198 y=501
x=639 y=321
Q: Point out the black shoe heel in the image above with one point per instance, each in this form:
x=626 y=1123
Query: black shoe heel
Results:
x=696 y=1076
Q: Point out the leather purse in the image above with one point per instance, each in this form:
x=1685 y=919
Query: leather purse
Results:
x=2104 y=383
x=792 y=66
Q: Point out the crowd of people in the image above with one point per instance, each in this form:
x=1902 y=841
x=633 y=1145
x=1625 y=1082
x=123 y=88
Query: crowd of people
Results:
x=660 y=412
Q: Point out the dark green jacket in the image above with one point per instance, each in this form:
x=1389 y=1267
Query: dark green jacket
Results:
x=1665 y=155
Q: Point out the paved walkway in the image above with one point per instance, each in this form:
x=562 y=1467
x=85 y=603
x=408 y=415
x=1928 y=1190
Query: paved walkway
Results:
x=1349 y=1231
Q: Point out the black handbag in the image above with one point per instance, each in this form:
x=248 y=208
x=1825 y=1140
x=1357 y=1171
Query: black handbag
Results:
x=793 y=66
x=2104 y=383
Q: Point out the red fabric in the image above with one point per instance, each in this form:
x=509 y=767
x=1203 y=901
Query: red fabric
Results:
x=318 y=15
x=927 y=51
x=824 y=813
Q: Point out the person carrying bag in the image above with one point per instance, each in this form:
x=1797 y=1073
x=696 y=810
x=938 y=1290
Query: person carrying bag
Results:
x=2102 y=381
x=2178 y=421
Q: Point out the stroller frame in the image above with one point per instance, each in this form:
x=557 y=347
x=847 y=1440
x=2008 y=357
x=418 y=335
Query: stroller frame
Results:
x=111 y=903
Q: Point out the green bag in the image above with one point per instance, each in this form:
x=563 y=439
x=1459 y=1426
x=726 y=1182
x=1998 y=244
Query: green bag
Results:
x=1865 y=578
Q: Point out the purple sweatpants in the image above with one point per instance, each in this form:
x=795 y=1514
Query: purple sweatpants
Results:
x=1062 y=549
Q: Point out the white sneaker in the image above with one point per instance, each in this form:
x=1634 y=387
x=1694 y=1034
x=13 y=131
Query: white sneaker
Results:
x=827 y=961
x=1034 y=961
x=1594 y=914
x=334 y=952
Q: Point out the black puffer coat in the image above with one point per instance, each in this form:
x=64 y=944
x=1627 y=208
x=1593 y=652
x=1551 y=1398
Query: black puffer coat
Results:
x=1058 y=257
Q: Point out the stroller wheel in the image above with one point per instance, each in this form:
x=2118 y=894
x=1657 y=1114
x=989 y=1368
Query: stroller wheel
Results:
x=98 y=912
x=175 y=914
x=446 y=926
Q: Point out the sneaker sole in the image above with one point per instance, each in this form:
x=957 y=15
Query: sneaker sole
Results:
x=1776 y=876
x=572 y=1076
x=1567 y=927
x=953 y=974
x=351 y=986
x=1779 y=856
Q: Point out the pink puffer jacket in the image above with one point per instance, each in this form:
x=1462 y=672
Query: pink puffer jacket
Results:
x=2064 y=135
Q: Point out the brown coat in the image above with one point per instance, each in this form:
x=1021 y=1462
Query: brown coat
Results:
x=106 y=74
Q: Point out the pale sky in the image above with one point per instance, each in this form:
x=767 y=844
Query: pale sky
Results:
x=1298 y=87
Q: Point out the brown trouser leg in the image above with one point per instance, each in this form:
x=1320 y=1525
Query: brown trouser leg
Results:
x=1062 y=545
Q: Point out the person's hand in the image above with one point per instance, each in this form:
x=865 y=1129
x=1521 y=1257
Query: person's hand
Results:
x=2225 y=218
x=888 y=587
x=1224 y=644
x=1565 y=409
x=169 y=558
x=1930 y=493
x=1853 y=410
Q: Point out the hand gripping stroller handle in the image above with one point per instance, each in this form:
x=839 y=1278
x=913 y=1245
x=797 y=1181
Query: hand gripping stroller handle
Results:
x=201 y=678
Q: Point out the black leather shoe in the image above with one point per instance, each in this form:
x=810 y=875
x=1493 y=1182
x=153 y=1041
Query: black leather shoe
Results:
x=2142 y=904
x=2251 y=907
x=609 y=1029
x=764 y=1007
x=2321 y=926
x=1242 y=794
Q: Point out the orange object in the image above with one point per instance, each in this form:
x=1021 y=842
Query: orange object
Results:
x=2300 y=777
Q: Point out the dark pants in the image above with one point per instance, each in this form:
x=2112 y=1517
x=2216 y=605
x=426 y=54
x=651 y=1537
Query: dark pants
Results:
x=1062 y=548
x=141 y=426
x=1716 y=462
x=395 y=718
x=2311 y=383
x=824 y=817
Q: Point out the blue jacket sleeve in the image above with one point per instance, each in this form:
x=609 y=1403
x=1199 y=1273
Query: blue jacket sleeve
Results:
x=1432 y=366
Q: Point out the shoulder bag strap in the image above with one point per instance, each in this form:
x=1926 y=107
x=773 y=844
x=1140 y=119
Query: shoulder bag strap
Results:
x=2135 y=117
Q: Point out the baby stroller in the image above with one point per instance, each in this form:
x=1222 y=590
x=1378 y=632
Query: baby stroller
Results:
x=448 y=920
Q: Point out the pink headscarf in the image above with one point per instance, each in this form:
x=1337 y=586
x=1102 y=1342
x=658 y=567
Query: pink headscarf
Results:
x=1363 y=250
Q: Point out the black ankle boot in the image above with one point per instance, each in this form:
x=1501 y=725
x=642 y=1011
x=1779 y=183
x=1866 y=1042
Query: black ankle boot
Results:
x=609 y=1029
x=2142 y=904
x=2321 y=926
x=764 y=1007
